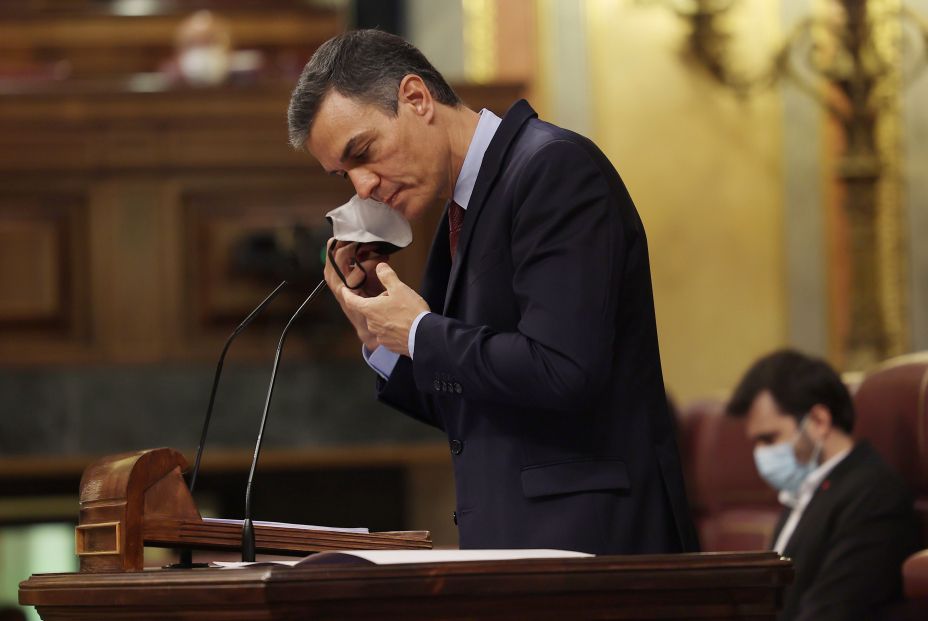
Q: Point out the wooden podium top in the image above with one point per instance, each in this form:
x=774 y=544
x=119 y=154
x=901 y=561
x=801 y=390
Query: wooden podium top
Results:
x=137 y=499
x=746 y=585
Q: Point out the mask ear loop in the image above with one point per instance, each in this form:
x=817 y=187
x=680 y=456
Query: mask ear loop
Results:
x=817 y=445
x=331 y=253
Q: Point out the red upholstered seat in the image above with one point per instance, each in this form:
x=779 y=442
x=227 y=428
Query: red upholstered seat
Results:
x=733 y=508
x=892 y=414
x=915 y=572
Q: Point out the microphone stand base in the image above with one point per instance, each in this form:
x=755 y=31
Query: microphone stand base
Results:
x=248 y=541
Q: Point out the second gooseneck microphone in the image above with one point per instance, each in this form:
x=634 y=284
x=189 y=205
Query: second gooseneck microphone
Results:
x=186 y=555
x=212 y=395
x=248 y=531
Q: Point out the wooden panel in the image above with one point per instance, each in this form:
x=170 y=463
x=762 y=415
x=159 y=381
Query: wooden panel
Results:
x=42 y=256
x=261 y=143
x=35 y=148
x=30 y=255
x=233 y=232
x=130 y=280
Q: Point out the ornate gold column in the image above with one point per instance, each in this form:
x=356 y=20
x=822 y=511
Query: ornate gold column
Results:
x=479 y=40
x=892 y=234
x=869 y=170
x=848 y=56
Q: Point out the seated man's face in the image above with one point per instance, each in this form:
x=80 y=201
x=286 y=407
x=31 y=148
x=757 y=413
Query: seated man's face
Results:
x=767 y=424
x=396 y=160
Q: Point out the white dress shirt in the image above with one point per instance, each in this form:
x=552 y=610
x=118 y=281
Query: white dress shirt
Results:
x=799 y=501
x=382 y=360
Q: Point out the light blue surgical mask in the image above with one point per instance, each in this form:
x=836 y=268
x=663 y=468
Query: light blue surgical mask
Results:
x=777 y=463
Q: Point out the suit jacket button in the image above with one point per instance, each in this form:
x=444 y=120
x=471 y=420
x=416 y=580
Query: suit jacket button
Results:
x=457 y=447
x=458 y=388
x=436 y=385
x=454 y=517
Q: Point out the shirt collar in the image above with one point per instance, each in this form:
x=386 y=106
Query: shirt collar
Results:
x=486 y=129
x=811 y=483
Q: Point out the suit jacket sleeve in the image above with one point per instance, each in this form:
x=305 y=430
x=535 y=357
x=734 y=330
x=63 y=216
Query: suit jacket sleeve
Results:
x=567 y=249
x=400 y=392
x=862 y=565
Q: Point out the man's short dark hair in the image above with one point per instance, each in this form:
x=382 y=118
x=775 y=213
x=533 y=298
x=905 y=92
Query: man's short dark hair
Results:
x=365 y=65
x=797 y=382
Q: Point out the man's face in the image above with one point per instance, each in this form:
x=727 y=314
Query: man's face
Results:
x=397 y=160
x=767 y=424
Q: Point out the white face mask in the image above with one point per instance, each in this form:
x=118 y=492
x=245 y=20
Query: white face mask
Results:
x=365 y=220
x=377 y=229
x=204 y=65
x=778 y=465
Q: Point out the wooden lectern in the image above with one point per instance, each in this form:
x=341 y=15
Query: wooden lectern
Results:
x=687 y=586
x=134 y=499
x=131 y=500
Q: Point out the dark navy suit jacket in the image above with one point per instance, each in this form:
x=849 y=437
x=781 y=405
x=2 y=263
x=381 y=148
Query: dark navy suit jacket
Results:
x=540 y=359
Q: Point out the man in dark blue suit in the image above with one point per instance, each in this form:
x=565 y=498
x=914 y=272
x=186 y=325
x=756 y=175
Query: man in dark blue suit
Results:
x=533 y=345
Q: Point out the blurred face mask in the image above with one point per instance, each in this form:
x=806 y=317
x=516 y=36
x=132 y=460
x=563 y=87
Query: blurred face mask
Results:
x=204 y=65
x=376 y=230
x=778 y=465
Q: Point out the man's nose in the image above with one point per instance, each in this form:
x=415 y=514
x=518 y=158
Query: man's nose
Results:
x=364 y=181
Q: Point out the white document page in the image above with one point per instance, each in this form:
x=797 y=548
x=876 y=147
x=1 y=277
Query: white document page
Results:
x=395 y=557
x=399 y=557
x=363 y=531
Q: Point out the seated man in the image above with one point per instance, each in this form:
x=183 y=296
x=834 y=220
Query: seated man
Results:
x=848 y=522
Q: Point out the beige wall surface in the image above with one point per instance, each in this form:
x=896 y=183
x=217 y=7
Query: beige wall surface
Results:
x=705 y=171
x=915 y=152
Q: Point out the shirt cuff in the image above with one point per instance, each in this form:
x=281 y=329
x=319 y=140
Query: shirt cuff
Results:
x=411 y=344
x=382 y=360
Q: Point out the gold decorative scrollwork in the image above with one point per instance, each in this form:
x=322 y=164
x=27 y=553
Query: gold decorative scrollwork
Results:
x=886 y=33
x=862 y=52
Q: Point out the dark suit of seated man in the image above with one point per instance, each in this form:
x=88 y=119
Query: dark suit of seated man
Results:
x=848 y=522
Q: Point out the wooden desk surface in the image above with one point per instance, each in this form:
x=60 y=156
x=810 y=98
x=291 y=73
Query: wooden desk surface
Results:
x=745 y=585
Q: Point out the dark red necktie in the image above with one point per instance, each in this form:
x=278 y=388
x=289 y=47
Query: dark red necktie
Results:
x=455 y=224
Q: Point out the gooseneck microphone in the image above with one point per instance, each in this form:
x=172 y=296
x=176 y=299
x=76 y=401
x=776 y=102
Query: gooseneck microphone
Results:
x=186 y=554
x=248 y=530
x=222 y=357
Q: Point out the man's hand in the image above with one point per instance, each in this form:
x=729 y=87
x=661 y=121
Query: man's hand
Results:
x=344 y=257
x=388 y=316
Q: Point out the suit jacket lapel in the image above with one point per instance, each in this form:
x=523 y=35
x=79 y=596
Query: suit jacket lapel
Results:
x=820 y=505
x=512 y=122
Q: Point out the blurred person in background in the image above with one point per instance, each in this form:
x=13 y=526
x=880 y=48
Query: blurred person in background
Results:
x=203 y=51
x=848 y=521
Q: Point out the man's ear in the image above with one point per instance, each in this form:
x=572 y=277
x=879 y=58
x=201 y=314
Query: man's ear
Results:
x=820 y=421
x=415 y=94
